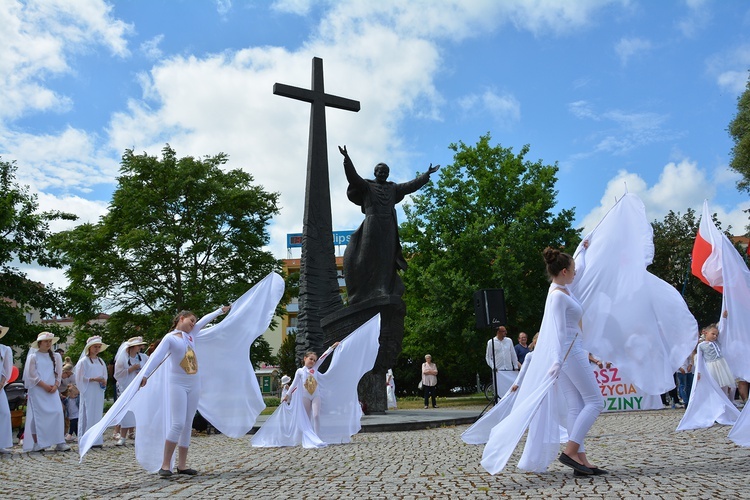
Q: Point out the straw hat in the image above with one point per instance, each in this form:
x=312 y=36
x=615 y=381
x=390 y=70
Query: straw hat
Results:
x=96 y=339
x=44 y=336
x=134 y=341
x=3 y=330
x=285 y=379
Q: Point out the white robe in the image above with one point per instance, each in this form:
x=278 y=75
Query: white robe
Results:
x=708 y=402
x=44 y=412
x=6 y=428
x=230 y=397
x=390 y=389
x=91 y=406
x=123 y=362
x=340 y=411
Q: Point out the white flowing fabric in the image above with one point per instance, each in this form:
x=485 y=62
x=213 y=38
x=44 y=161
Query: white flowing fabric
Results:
x=533 y=404
x=708 y=403
x=479 y=431
x=124 y=377
x=725 y=269
x=632 y=318
x=44 y=413
x=740 y=432
x=230 y=397
x=340 y=411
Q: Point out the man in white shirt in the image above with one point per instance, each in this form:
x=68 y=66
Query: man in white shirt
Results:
x=505 y=358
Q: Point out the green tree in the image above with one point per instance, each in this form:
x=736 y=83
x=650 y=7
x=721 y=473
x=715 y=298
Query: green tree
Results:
x=484 y=224
x=674 y=238
x=288 y=355
x=260 y=352
x=181 y=234
x=24 y=232
x=739 y=130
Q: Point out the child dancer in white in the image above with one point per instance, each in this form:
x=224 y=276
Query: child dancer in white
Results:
x=715 y=363
x=306 y=384
x=6 y=365
x=128 y=363
x=91 y=379
x=184 y=385
x=44 y=413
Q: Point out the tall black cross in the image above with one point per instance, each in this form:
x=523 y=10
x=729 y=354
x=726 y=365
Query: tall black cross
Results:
x=319 y=289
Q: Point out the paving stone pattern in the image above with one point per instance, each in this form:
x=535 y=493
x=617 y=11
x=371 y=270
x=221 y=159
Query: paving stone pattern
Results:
x=646 y=458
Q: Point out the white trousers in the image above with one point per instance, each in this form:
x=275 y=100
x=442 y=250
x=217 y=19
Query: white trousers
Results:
x=184 y=392
x=581 y=393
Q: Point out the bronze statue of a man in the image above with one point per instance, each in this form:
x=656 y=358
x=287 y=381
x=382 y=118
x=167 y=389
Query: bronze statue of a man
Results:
x=373 y=256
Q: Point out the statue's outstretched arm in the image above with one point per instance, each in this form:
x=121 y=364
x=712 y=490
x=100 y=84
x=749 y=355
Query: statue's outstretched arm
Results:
x=351 y=173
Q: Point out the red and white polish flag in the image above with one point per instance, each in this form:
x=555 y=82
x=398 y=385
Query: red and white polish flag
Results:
x=707 y=261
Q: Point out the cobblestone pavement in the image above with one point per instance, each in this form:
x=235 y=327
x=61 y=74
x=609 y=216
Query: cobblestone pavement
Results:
x=644 y=455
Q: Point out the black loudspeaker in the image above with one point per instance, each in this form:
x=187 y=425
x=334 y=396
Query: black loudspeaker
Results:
x=489 y=308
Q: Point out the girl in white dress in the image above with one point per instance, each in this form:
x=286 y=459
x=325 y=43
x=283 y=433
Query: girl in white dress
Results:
x=6 y=365
x=184 y=385
x=716 y=364
x=44 y=413
x=306 y=385
x=128 y=363
x=91 y=379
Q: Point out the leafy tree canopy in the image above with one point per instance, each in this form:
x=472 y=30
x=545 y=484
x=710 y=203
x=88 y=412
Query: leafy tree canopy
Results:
x=181 y=234
x=484 y=224
x=739 y=130
x=24 y=232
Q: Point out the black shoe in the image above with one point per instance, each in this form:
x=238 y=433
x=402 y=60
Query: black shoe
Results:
x=596 y=472
x=189 y=472
x=566 y=460
x=165 y=474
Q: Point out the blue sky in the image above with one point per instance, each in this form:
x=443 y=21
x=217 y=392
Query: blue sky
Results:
x=618 y=93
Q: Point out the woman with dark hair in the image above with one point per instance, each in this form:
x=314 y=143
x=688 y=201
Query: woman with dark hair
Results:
x=576 y=380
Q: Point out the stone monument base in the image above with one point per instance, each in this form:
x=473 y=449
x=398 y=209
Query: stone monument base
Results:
x=336 y=326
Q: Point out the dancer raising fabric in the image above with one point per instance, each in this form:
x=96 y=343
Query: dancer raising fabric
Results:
x=44 y=413
x=223 y=383
x=6 y=365
x=91 y=379
x=336 y=390
x=128 y=362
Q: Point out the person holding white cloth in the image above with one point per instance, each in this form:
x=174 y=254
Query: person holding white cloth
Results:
x=128 y=362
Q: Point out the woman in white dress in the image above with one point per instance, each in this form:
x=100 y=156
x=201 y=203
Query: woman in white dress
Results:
x=44 y=413
x=128 y=363
x=6 y=365
x=390 y=389
x=91 y=379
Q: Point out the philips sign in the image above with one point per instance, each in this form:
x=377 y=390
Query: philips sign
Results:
x=294 y=240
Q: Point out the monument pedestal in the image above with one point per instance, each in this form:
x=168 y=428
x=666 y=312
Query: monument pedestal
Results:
x=336 y=326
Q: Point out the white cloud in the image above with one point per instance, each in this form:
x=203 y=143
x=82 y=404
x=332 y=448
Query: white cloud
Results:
x=730 y=68
x=680 y=186
x=38 y=37
x=696 y=19
x=67 y=161
x=299 y=7
x=150 y=48
x=88 y=211
x=504 y=108
x=223 y=6
x=627 y=48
